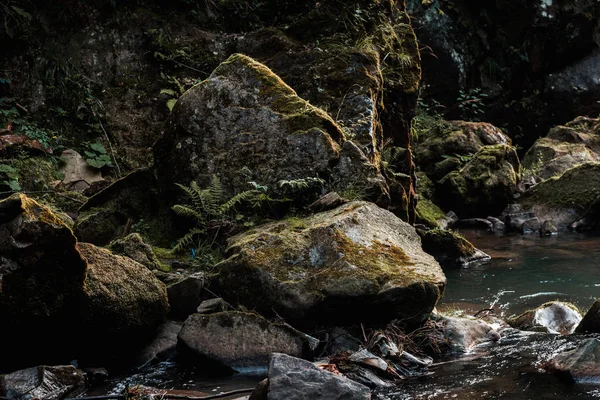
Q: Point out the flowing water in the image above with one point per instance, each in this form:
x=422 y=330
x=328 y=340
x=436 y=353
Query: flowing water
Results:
x=525 y=272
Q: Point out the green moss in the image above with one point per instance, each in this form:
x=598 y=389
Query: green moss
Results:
x=446 y=245
x=428 y=213
x=34 y=211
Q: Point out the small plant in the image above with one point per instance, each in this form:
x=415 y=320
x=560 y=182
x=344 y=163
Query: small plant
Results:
x=97 y=157
x=174 y=82
x=471 y=103
x=11 y=177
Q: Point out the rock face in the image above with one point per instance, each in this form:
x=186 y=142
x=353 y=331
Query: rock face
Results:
x=240 y=341
x=484 y=185
x=133 y=246
x=355 y=263
x=451 y=249
x=43 y=382
x=591 y=320
x=580 y=365
x=237 y=121
x=186 y=295
x=568 y=198
x=294 y=379
x=554 y=317
x=48 y=280
x=563 y=148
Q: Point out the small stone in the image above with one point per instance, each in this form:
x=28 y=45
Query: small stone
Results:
x=548 y=228
x=531 y=225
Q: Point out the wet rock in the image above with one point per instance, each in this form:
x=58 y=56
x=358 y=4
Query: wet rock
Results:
x=450 y=249
x=261 y=390
x=163 y=347
x=553 y=317
x=580 y=365
x=352 y=264
x=566 y=198
x=548 y=228
x=476 y=223
x=186 y=295
x=133 y=246
x=212 y=306
x=514 y=221
x=234 y=123
x=485 y=185
x=294 y=379
x=454 y=335
x=531 y=225
x=497 y=225
x=591 y=320
x=78 y=175
x=245 y=340
x=43 y=382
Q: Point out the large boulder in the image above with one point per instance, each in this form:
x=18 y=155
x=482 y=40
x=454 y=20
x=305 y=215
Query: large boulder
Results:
x=68 y=290
x=484 y=185
x=240 y=341
x=245 y=124
x=294 y=379
x=352 y=264
x=563 y=148
x=451 y=249
x=568 y=199
x=580 y=365
x=43 y=382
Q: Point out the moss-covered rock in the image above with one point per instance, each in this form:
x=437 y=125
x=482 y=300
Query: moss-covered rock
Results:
x=133 y=246
x=568 y=198
x=485 y=185
x=245 y=124
x=51 y=284
x=355 y=263
x=565 y=147
x=451 y=249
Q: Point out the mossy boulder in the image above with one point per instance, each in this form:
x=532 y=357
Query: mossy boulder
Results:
x=245 y=124
x=451 y=249
x=52 y=284
x=563 y=148
x=442 y=146
x=567 y=199
x=353 y=264
x=484 y=185
x=133 y=246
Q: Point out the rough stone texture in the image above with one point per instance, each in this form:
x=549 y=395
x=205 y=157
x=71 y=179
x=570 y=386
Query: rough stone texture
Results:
x=460 y=335
x=451 y=249
x=563 y=148
x=580 y=365
x=548 y=228
x=123 y=301
x=163 y=347
x=591 y=320
x=453 y=139
x=497 y=225
x=567 y=198
x=294 y=379
x=186 y=295
x=553 y=317
x=352 y=264
x=78 y=174
x=531 y=225
x=245 y=124
x=133 y=246
x=514 y=221
x=485 y=185
x=43 y=382
x=212 y=306
x=240 y=341
x=476 y=223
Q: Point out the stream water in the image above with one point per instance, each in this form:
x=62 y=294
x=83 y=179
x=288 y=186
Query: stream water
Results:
x=525 y=272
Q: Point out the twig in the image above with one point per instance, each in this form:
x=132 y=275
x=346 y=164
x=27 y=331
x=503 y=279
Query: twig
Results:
x=164 y=396
x=21 y=107
x=188 y=67
x=484 y=310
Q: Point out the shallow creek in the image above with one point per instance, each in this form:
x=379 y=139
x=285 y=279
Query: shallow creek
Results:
x=525 y=272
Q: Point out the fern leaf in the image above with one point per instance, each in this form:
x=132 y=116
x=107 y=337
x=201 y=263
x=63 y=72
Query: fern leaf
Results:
x=237 y=199
x=187 y=212
x=187 y=240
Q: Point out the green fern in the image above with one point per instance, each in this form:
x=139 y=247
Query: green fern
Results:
x=188 y=240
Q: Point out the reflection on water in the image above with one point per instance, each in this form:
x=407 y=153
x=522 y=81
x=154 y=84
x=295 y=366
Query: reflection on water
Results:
x=527 y=271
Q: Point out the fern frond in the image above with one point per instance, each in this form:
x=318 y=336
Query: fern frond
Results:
x=237 y=199
x=187 y=240
x=187 y=212
x=193 y=192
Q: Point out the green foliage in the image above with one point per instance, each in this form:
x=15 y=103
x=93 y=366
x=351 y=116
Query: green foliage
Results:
x=10 y=176
x=463 y=159
x=174 y=94
x=210 y=208
x=96 y=155
x=471 y=104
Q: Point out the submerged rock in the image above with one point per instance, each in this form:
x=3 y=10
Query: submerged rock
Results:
x=353 y=264
x=553 y=317
x=581 y=365
x=294 y=379
x=43 y=382
x=240 y=341
x=451 y=249
x=452 y=335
